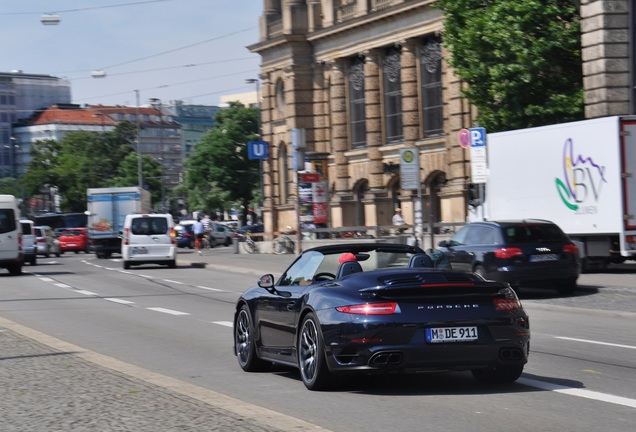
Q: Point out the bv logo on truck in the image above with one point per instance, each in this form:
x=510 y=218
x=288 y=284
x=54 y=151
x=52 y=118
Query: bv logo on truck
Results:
x=583 y=180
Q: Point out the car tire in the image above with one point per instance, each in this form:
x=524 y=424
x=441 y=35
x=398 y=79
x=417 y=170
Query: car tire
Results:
x=126 y=265
x=191 y=244
x=33 y=261
x=15 y=269
x=498 y=375
x=47 y=254
x=172 y=264
x=312 y=362
x=228 y=241
x=57 y=254
x=245 y=345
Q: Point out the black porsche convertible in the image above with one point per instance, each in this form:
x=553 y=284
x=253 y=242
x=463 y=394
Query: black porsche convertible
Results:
x=377 y=308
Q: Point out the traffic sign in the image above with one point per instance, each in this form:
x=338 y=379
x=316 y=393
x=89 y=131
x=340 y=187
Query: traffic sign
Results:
x=464 y=138
x=257 y=150
x=477 y=137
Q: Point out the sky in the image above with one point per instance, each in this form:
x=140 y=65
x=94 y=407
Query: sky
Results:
x=189 y=50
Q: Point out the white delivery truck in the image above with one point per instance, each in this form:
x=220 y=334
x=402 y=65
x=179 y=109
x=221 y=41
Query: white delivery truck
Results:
x=107 y=210
x=580 y=175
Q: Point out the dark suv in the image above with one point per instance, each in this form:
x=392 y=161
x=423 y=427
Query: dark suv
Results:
x=523 y=253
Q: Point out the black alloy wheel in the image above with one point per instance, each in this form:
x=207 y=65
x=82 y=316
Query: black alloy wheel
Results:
x=311 y=356
x=244 y=344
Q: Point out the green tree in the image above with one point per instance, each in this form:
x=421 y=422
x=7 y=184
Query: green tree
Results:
x=520 y=59
x=219 y=173
x=9 y=186
x=85 y=160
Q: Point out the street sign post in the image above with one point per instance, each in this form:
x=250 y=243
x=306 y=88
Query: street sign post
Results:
x=257 y=150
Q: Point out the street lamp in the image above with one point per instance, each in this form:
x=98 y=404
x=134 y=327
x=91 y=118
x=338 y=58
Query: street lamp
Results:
x=257 y=83
x=139 y=167
x=157 y=102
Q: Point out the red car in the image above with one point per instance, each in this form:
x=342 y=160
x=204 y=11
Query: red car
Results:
x=73 y=239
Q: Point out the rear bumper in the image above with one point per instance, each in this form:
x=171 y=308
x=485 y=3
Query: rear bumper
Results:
x=516 y=276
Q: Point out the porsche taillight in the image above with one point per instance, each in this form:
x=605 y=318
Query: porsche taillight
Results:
x=370 y=309
x=507 y=304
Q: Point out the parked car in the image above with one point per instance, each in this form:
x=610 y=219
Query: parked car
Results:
x=29 y=241
x=185 y=235
x=149 y=239
x=47 y=243
x=365 y=308
x=73 y=240
x=221 y=234
x=523 y=253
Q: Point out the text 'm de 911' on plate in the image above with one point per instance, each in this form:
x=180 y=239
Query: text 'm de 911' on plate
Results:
x=366 y=308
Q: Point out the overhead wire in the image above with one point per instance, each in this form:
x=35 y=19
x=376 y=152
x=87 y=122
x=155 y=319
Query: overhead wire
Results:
x=88 y=8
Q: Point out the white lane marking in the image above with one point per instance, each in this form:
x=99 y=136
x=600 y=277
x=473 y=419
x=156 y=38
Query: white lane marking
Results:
x=61 y=285
x=45 y=279
x=209 y=289
x=168 y=311
x=86 y=292
x=145 y=276
x=116 y=300
x=173 y=281
x=595 y=342
x=223 y=323
x=587 y=394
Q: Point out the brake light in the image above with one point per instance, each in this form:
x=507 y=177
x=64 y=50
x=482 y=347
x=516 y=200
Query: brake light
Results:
x=508 y=252
x=507 y=304
x=126 y=235
x=630 y=239
x=173 y=236
x=41 y=240
x=571 y=248
x=370 y=309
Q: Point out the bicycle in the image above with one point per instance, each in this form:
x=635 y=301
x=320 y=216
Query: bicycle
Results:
x=249 y=245
x=205 y=246
x=283 y=244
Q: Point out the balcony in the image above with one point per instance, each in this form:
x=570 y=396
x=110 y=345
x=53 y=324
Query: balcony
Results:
x=378 y=5
x=346 y=12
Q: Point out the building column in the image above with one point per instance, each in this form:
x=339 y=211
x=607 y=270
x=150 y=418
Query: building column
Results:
x=373 y=111
x=410 y=109
x=338 y=118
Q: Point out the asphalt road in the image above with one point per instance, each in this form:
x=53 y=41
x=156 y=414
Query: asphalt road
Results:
x=88 y=346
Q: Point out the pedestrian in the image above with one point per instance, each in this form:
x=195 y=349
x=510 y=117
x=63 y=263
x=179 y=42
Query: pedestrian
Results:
x=397 y=217
x=207 y=223
x=198 y=229
x=398 y=220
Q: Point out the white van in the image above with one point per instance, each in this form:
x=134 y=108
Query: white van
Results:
x=11 y=256
x=149 y=239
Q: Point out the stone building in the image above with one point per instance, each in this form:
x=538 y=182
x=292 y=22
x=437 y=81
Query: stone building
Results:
x=366 y=79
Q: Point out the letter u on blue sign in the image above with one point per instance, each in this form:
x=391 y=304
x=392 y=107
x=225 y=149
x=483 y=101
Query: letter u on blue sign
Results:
x=257 y=150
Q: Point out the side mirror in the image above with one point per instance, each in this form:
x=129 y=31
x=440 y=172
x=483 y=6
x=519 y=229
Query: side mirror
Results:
x=266 y=281
x=443 y=243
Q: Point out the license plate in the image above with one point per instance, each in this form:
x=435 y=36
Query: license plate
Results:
x=71 y=245
x=451 y=334
x=138 y=251
x=544 y=257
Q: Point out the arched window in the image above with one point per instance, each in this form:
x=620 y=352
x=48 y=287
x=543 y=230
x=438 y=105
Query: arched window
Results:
x=283 y=174
x=392 y=94
x=356 y=103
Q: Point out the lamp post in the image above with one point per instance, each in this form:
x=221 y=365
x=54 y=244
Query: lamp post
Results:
x=257 y=83
x=137 y=121
x=157 y=102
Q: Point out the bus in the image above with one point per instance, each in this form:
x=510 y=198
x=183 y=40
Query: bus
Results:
x=62 y=220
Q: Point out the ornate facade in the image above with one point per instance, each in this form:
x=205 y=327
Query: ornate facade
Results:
x=366 y=79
